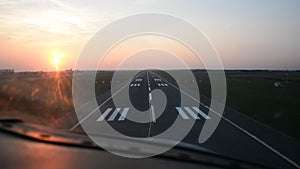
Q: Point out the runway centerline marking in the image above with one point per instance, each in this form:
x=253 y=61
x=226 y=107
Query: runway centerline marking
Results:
x=153 y=114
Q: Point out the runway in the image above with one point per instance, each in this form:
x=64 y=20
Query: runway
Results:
x=236 y=136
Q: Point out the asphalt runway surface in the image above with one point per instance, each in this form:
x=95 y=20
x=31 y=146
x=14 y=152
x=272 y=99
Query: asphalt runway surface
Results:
x=236 y=136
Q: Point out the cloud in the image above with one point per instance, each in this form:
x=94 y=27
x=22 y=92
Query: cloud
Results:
x=31 y=20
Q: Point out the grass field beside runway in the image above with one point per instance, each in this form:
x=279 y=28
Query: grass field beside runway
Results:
x=254 y=93
x=47 y=95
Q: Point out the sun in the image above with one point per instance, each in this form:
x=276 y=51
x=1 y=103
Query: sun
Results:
x=56 y=59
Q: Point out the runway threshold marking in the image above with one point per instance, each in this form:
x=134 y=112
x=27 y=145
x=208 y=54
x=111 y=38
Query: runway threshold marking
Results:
x=201 y=113
x=123 y=114
x=97 y=108
x=191 y=113
x=115 y=113
x=182 y=114
x=102 y=117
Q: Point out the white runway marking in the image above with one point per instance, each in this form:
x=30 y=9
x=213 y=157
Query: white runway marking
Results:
x=191 y=113
x=124 y=114
x=102 y=117
x=181 y=112
x=201 y=113
x=115 y=113
x=150 y=96
x=97 y=108
x=135 y=85
x=153 y=114
x=162 y=84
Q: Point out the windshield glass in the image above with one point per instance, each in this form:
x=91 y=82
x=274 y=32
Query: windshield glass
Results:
x=216 y=75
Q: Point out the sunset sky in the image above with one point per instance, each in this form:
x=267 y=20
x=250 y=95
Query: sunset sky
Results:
x=44 y=34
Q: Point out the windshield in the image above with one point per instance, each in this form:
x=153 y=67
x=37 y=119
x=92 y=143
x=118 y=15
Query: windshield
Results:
x=220 y=76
